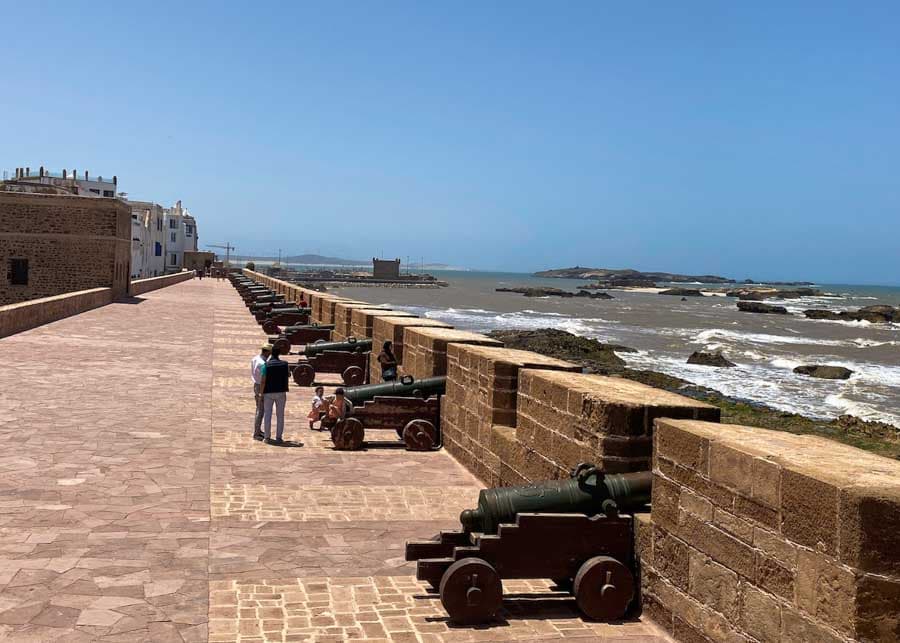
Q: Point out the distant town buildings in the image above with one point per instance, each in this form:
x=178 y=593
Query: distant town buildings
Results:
x=49 y=245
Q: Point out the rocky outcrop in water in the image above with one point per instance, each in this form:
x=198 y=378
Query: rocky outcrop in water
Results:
x=757 y=307
x=704 y=358
x=609 y=275
x=682 y=292
x=824 y=371
x=874 y=314
x=758 y=294
x=595 y=356
x=555 y=292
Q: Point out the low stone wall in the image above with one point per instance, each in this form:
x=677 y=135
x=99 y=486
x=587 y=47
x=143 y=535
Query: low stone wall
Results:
x=15 y=318
x=391 y=329
x=425 y=349
x=363 y=319
x=343 y=319
x=768 y=536
x=140 y=286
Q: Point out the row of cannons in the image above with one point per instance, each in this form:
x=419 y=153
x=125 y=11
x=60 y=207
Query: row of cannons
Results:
x=577 y=533
x=408 y=408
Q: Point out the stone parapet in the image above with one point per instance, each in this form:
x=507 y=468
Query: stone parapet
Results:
x=425 y=349
x=15 y=318
x=363 y=319
x=140 y=286
x=392 y=329
x=343 y=319
x=482 y=383
x=572 y=417
x=767 y=536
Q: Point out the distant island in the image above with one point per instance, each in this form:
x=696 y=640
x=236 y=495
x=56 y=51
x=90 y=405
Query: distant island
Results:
x=627 y=276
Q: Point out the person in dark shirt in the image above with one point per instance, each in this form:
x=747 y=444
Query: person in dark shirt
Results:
x=388 y=362
x=274 y=388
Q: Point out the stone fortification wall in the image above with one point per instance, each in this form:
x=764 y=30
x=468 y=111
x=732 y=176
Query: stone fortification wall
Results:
x=140 y=286
x=754 y=535
x=70 y=243
x=391 y=329
x=767 y=536
x=15 y=318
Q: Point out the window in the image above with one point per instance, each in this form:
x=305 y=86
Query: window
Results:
x=109 y=193
x=134 y=216
x=173 y=259
x=159 y=224
x=18 y=272
x=172 y=237
x=157 y=249
x=173 y=224
x=93 y=191
x=188 y=229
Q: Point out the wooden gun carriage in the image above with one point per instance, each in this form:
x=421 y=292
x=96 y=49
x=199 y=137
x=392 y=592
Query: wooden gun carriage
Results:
x=350 y=359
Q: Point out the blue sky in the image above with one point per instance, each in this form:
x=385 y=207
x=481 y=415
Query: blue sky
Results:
x=746 y=139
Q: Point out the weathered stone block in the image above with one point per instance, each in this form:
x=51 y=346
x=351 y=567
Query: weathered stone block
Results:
x=760 y=615
x=712 y=584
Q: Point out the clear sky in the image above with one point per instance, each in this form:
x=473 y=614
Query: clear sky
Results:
x=755 y=139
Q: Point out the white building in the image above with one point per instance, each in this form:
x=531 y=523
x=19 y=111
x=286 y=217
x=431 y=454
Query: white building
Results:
x=148 y=237
x=65 y=182
x=181 y=235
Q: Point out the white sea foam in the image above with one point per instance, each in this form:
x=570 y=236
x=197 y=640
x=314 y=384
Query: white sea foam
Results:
x=714 y=334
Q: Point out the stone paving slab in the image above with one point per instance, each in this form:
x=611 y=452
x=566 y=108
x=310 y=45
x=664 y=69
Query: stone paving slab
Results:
x=135 y=507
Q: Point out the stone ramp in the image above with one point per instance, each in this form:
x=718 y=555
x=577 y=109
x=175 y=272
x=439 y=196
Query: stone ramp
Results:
x=135 y=506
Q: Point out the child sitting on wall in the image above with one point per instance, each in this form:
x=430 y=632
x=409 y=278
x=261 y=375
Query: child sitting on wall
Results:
x=319 y=406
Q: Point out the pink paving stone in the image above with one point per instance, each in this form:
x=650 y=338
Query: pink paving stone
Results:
x=120 y=466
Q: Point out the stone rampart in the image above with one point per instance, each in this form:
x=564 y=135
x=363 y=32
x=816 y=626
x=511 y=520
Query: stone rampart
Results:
x=767 y=536
x=425 y=349
x=140 y=286
x=362 y=320
x=343 y=319
x=15 y=318
x=391 y=329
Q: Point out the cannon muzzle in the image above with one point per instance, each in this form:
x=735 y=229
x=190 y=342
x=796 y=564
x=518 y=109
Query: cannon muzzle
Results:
x=406 y=386
x=589 y=491
x=352 y=345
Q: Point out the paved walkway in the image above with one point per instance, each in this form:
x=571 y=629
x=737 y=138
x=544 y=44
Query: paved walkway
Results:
x=134 y=505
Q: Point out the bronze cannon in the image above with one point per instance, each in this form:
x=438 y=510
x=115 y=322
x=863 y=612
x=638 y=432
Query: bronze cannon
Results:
x=585 y=545
x=349 y=358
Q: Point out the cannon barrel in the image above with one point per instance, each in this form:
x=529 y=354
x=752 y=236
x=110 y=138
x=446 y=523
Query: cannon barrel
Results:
x=404 y=387
x=588 y=491
x=288 y=329
x=290 y=310
x=352 y=345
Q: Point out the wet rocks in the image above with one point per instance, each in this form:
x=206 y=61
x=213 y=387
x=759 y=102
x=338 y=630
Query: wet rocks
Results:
x=682 y=292
x=595 y=356
x=824 y=371
x=757 y=307
x=555 y=292
x=758 y=294
x=705 y=358
x=874 y=314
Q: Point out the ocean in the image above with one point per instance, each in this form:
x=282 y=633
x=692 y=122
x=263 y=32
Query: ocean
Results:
x=665 y=331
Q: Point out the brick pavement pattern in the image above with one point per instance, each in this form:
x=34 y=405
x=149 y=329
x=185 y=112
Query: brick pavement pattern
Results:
x=135 y=507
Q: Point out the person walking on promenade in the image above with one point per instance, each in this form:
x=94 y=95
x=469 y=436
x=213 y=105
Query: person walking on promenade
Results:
x=274 y=387
x=256 y=365
x=388 y=362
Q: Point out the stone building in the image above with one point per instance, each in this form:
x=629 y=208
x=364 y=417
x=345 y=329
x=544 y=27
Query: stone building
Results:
x=52 y=244
x=385 y=268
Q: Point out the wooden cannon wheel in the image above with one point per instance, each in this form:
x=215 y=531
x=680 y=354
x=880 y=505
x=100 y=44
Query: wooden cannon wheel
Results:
x=348 y=434
x=304 y=374
x=353 y=376
x=603 y=588
x=419 y=435
x=471 y=591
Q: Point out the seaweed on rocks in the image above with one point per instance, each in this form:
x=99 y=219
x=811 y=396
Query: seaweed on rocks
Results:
x=600 y=358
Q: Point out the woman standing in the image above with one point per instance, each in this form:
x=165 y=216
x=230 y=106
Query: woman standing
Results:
x=388 y=362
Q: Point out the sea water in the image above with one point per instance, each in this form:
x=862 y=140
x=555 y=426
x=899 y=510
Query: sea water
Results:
x=665 y=331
